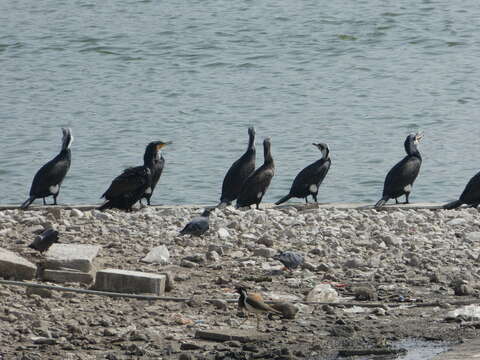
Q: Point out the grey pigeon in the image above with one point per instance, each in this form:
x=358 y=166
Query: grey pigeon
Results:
x=290 y=259
x=198 y=225
x=43 y=241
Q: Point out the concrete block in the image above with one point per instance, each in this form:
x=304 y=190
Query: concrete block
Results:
x=72 y=256
x=231 y=334
x=65 y=276
x=15 y=266
x=125 y=281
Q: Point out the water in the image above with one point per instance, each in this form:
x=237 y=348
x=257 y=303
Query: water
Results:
x=359 y=75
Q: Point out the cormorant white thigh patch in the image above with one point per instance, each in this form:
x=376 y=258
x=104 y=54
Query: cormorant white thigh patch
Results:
x=54 y=189
x=259 y=195
x=408 y=188
x=313 y=188
x=148 y=190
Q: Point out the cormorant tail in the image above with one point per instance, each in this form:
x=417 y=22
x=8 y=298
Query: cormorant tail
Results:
x=283 y=199
x=27 y=203
x=105 y=205
x=452 y=205
x=381 y=202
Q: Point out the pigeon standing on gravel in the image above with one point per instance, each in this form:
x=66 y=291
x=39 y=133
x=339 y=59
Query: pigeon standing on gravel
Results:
x=198 y=225
x=43 y=241
x=290 y=259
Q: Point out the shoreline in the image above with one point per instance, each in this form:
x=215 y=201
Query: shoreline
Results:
x=386 y=276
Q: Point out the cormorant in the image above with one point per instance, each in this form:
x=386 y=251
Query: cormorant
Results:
x=291 y=260
x=130 y=186
x=239 y=171
x=253 y=304
x=156 y=167
x=401 y=177
x=470 y=195
x=43 y=241
x=308 y=181
x=198 y=225
x=257 y=183
x=49 y=178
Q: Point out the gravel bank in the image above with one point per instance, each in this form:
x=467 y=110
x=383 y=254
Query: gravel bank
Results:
x=394 y=261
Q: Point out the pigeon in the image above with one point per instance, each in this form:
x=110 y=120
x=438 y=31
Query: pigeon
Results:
x=198 y=225
x=43 y=241
x=290 y=259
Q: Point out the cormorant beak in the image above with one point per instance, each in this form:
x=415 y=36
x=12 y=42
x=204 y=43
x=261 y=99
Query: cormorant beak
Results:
x=418 y=137
x=160 y=145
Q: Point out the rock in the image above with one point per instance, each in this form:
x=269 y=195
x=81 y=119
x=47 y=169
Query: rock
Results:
x=196 y=258
x=461 y=287
x=473 y=237
x=124 y=281
x=456 y=222
x=219 y=304
x=265 y=240
x=76 y=213
x=188 y=264
x=217 y=248
x=223 y=233
x=365 y=293
x=158 y=255
x=264 y=252
x=66 y=276
x=72 y=256
x=231 y=334
x=288 y=311
x=169 y=281
x=323 y=293
x=190 y=346
x=44 y=293
x=468 y=313
x=353 y=263
x=15 y=267
x=213 y=256
x=186 y=356
x=40 y=340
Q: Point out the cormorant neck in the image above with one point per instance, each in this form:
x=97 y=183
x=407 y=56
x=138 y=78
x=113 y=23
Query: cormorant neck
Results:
x=412 y=149
x=267 y=155
x=251 y=142
x=326 y=154
x=149 y=157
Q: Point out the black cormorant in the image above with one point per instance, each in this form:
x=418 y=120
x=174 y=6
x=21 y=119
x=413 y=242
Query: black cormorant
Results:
x=257 y=183
x=157 y=163
x=43 y=241
x=49 y=178
x=239 y=171
x=308 y=181
x=130 y=186
x=400 y=178
x=470 y=195
x=198 y=225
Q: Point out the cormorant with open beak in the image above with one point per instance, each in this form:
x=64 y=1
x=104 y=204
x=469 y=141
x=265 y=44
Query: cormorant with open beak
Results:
x=257 y=183
x=49 y=178
x=157 y=163
x=470 y=195
x=239 y=172
x=308 y=181
x=400 y=178
x=130 y=186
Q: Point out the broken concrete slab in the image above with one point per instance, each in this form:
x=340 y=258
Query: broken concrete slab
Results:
x=65 y=276
x=231 y=334
x=125 y=281
x=13 y=266
x=72 y=256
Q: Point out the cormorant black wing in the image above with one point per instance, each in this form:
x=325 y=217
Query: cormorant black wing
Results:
x=50 y=174
x=255 y=186
x=130 y=181
x=237 y=175
x=471 y=194
x=400 y=176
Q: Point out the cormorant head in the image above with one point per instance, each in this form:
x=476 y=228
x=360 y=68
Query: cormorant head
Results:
x=152 y=150
x=251 y=131
x=323 y=149
x=412 y=141
x=67 y=138
x=266 y=150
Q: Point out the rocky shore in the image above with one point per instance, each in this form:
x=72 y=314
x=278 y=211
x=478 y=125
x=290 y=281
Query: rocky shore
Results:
x=371 y=279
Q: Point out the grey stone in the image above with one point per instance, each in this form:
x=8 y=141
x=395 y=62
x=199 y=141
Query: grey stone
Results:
x=66 y=275
x=231 y=334
x=323 y=293
x=219 y=304
x=223 y=233
x=76 y=213
x=43 y=340
x=72 y=256
x=16 y=267
x=158 y=255
x=188 y=264
x=196 y=258
x=213 y=256
x=125 y=281
x=264 y=252
x=44 y=293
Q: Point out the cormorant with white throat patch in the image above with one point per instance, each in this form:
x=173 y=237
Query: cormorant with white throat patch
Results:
x=400 y=178
x=49 y=178
x=308 y=181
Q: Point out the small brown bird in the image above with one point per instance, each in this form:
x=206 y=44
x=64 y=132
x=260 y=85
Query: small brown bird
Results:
x=253 y=304
x=43 y=241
